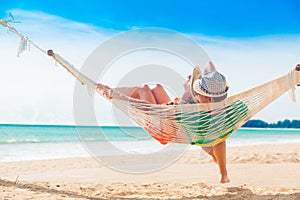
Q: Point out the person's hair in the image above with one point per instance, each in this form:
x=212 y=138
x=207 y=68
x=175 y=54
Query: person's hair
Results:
x=217 y=99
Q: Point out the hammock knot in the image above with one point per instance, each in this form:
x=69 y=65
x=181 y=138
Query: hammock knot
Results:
x=23 y=45
x=50 y=52
x=290 y=82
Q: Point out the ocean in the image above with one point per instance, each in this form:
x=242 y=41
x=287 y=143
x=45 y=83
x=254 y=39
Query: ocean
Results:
x=39 y=142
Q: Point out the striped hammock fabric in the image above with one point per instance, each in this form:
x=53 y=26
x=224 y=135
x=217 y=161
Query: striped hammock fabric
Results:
x=203 y=124
x=197 y=124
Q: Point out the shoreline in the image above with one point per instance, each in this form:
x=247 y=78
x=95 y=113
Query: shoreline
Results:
x=283 y=147
x=262 y=171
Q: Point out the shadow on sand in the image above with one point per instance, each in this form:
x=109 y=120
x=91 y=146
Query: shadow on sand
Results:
x=232 y=193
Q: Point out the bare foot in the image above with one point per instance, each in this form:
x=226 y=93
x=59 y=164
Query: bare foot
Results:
x=106 y=91
x=224 y=179
x=102 y=87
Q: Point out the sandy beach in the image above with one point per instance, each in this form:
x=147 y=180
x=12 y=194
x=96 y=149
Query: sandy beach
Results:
x=256 y=172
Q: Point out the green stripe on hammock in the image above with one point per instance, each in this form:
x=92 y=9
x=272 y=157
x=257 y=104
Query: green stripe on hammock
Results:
x=206 y=127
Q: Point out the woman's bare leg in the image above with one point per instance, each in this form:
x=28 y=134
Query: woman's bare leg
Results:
x=210 y=151
x=219 y=151
x=128 y=91
x=157 y=95
x=145 y=94
x=142 y=93
x=160 y=95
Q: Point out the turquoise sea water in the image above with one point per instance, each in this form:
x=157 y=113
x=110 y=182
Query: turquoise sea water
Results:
x=34 y=142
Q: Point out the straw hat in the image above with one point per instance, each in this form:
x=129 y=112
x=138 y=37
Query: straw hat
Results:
x=212 y=84
x=194 y=76
x=209 y=67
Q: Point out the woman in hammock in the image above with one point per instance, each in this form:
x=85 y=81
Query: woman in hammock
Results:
x=211 y=87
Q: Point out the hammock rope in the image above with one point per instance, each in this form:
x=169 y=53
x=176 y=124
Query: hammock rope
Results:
x=198 y=124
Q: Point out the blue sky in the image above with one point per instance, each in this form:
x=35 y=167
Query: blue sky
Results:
x=250 y=41
x=229 y=18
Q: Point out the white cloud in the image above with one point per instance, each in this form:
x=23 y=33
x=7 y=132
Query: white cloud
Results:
x=33 y=90
x=33 y=80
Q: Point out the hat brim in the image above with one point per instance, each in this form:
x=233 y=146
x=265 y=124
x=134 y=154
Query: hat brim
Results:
x=194 y=76
x=198 y=90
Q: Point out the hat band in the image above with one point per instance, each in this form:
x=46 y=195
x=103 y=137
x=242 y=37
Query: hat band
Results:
x=212 y=93
x=205 y=92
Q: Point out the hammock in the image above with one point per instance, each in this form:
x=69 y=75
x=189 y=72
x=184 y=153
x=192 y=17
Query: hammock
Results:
x=198 y=124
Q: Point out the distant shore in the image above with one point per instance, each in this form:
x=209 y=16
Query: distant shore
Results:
x=254 y=123
x=257 y=123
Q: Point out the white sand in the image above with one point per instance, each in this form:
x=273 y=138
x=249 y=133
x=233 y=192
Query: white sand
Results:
x=256 y=172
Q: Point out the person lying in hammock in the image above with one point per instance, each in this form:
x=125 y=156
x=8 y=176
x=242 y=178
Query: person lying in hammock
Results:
x=211 y=87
